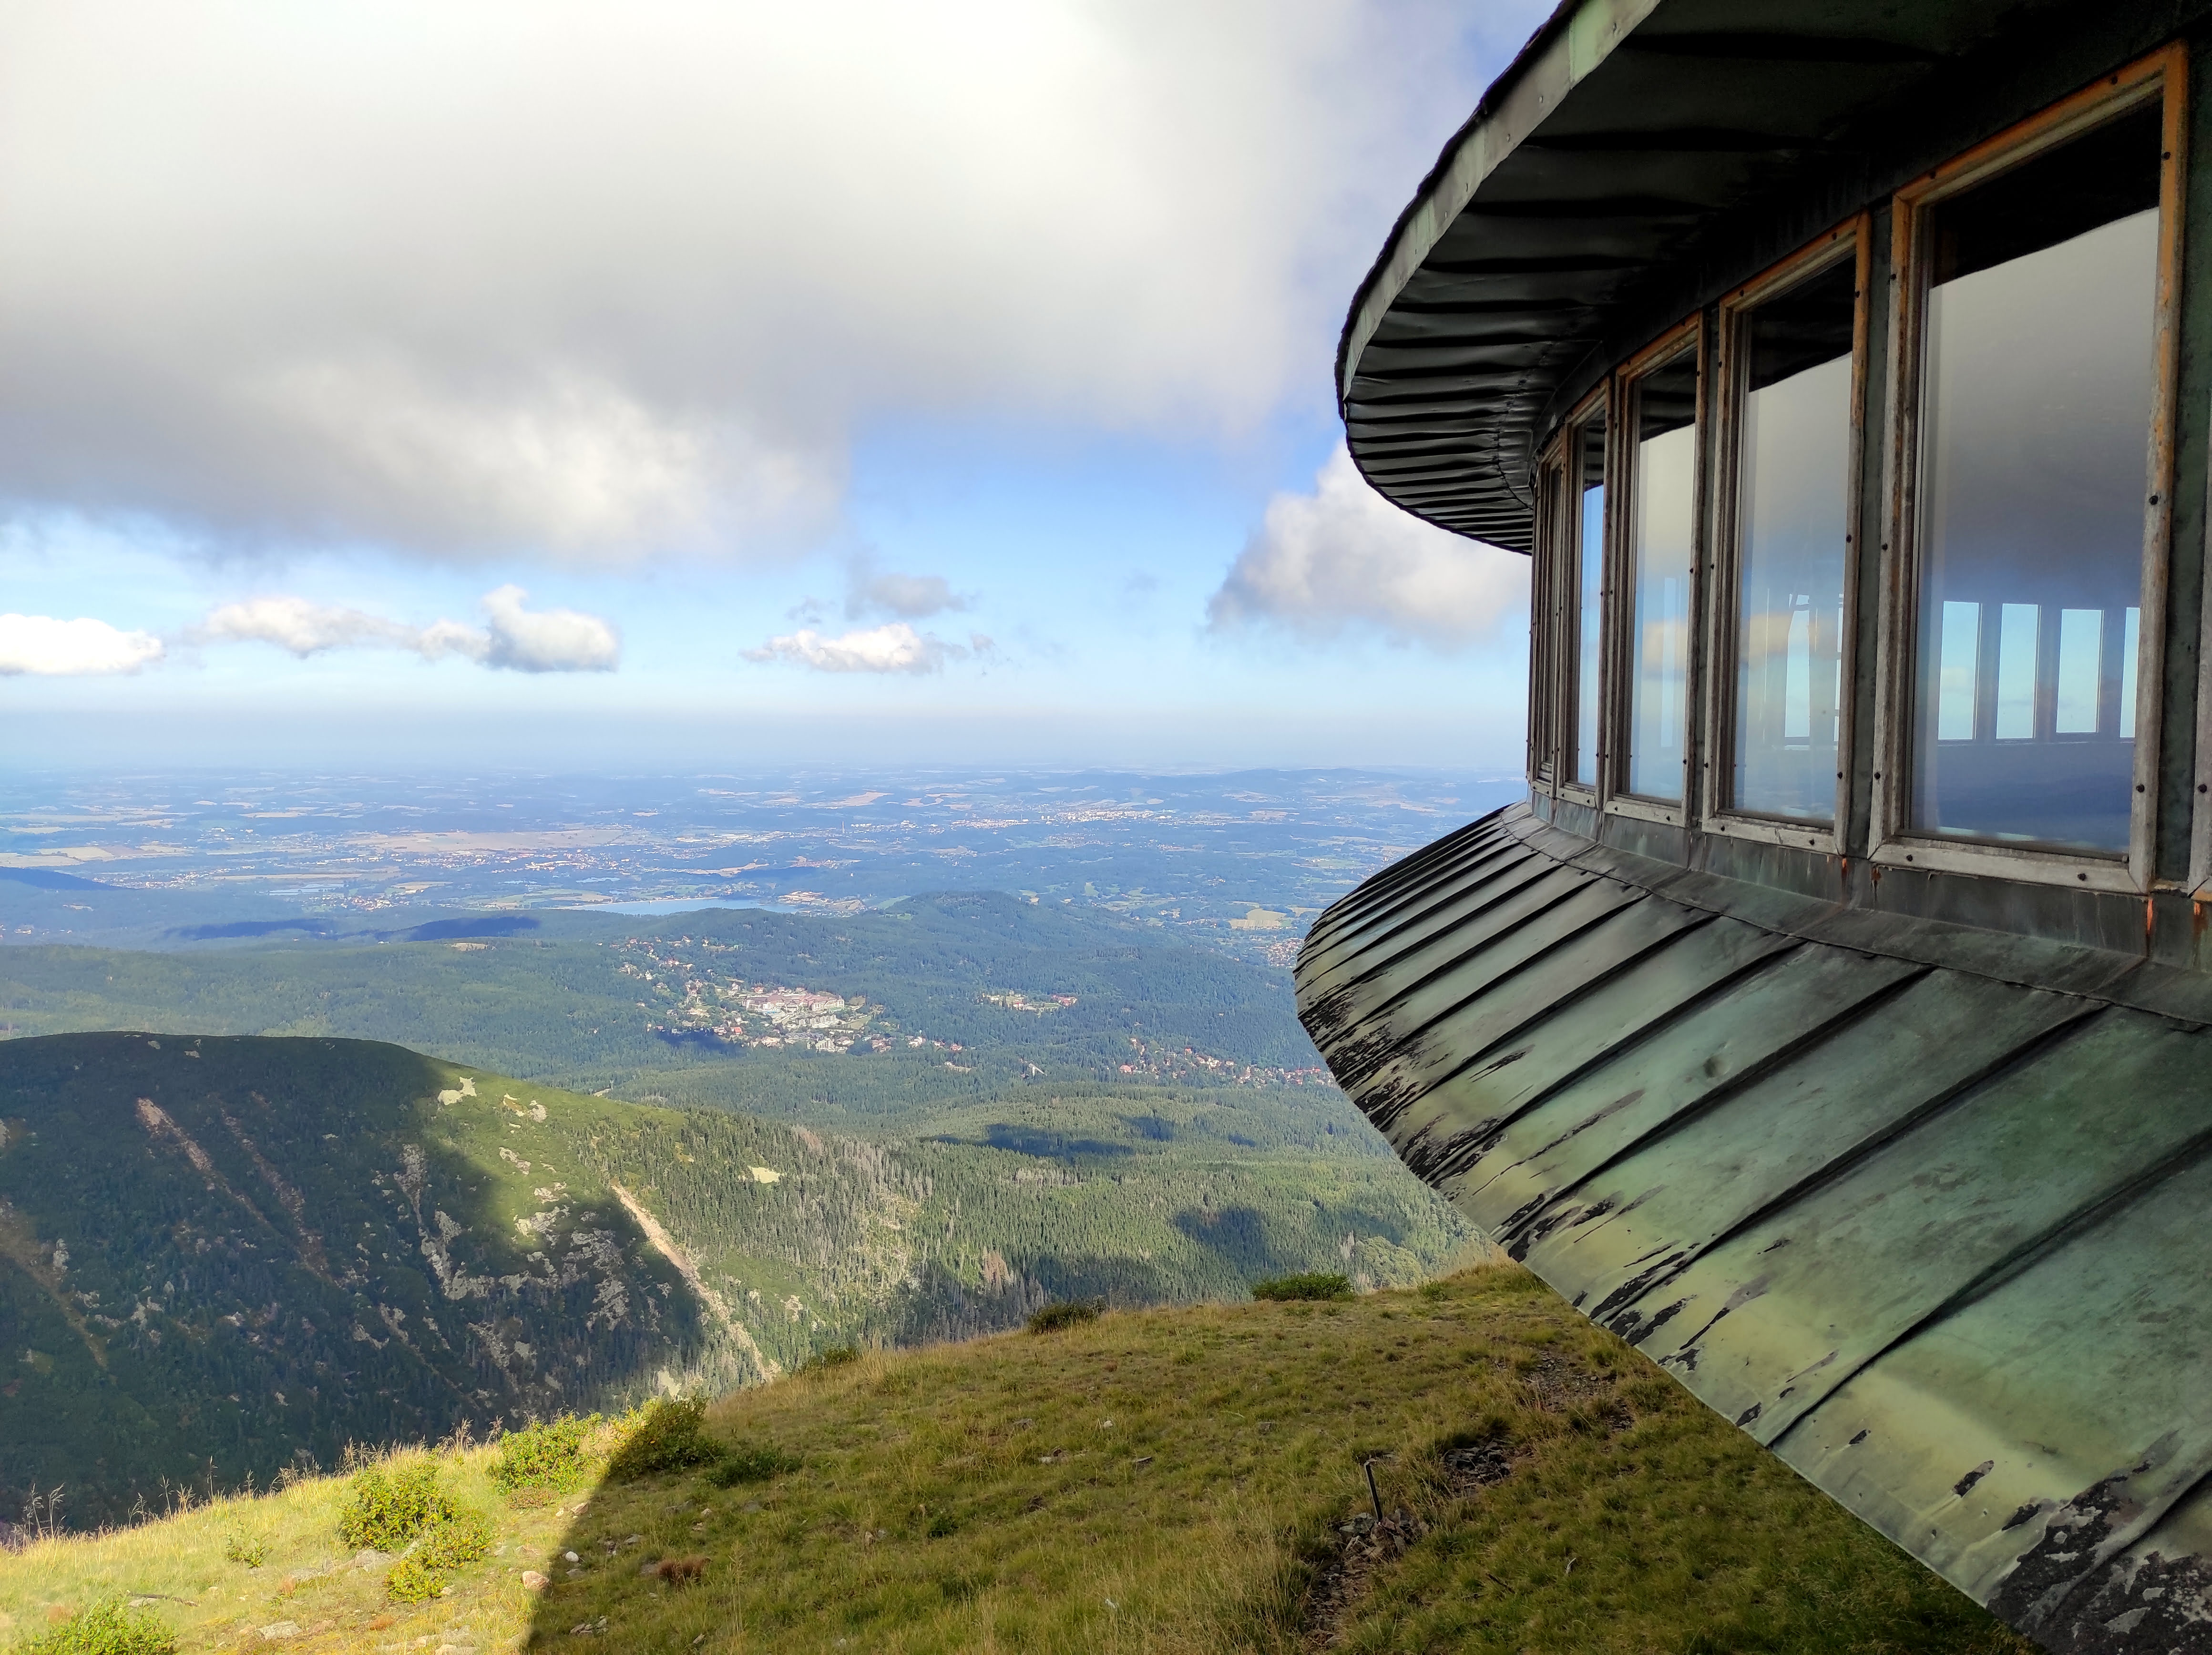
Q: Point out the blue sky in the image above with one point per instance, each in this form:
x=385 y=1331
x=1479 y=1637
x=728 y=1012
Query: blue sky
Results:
x=687 y=383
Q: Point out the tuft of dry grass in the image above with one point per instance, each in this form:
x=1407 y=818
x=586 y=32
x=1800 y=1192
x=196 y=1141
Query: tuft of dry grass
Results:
x=1170 y=1482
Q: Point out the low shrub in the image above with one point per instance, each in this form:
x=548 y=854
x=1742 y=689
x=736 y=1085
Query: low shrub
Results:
x=1315 y=1286
x=836 y=1356
x=1070 y=1314
x=411 y=1581
x=547 y=1458
x=749 y=1462
x=669 y=1436
x=460 y=1536
x=387 y=1505
x=241 y=1548
x=104 y=1627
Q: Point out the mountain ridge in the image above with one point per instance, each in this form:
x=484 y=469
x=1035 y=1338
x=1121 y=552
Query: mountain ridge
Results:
x=334 y=1240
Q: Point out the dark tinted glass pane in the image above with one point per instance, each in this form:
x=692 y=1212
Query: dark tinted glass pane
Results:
x=1589 y=588
x=2038 y=382
x=1664 y=522
x=1791 y=482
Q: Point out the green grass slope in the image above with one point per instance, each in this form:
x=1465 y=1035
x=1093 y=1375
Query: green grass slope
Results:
x=219 y=1254
x=1168 y=1481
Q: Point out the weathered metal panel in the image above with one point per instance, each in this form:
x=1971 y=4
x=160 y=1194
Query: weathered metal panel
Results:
x=1434 y=906
x=1457 y=861
x=1916 y=1230
x=1470 y=1073
x=1930 y=1228
x=1982 y=1430
x=1442 y=977
x=1356 y=989
x=1535 y=1200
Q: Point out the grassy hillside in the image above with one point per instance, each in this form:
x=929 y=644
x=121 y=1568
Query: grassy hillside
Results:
x=219 y=1254
x=602 y=1002
x=1183 y=1480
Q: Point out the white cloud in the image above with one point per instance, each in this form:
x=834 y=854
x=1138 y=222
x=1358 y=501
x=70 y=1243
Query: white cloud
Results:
x=41 y=644
x=598 y=283
x=303 y=627
x=522 y=640
x=907 y=597
x=1343 y=556
x=895 y=647
x=546 y=640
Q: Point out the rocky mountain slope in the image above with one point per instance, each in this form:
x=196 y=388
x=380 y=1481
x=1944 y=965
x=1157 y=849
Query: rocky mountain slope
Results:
x=220 y=1257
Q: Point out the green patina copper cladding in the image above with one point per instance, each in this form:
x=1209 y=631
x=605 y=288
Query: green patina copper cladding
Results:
x=1932 y=1232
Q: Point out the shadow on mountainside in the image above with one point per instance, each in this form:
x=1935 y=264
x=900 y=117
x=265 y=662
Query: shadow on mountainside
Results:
x=309 y=1248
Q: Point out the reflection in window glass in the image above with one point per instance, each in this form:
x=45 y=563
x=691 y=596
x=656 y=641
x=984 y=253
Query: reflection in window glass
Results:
x=1589 y=598
x=2016 y=625
x=1665 y=518
x=1791 y=498
x=2080 y=648
x=2131 y=638
x=2038 y=383
x=1962 y=649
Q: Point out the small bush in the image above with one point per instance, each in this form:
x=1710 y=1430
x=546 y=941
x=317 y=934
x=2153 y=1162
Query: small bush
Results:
x=411 y=1581
x=546 y=1458
x=750 y=1463
x=386 y=1505
x=1303 y=1287
x=244 y=1548
x=1071 y=1313
x=668 y=1436
x=105 y=1627
x=460 y=1536
x=836 y=1356
x=453 y=1535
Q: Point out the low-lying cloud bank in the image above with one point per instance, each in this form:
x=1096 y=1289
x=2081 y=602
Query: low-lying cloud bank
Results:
x=1343 y=559
x=44 y=646
x=895 y=647
x=512 y=638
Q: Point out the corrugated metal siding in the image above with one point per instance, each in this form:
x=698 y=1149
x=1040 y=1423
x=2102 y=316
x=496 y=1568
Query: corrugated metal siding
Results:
x=1938 y=1236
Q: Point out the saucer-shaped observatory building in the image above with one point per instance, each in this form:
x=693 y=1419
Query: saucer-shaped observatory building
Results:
x=1834 y=1019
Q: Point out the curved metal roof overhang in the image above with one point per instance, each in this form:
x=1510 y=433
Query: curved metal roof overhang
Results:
x=1638 y=159
x=1920 y=1208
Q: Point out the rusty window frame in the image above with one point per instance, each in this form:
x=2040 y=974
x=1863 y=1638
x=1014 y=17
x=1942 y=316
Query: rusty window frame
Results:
x=1547 y=618
x=2160 y=77
x=1686 y=337
x=1567 y=677
x=1852 y=240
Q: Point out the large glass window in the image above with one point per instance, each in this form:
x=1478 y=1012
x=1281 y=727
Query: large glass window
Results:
x=1791 y=511
x=1663 y=527
x=1588 y=514
x=2038 y=383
